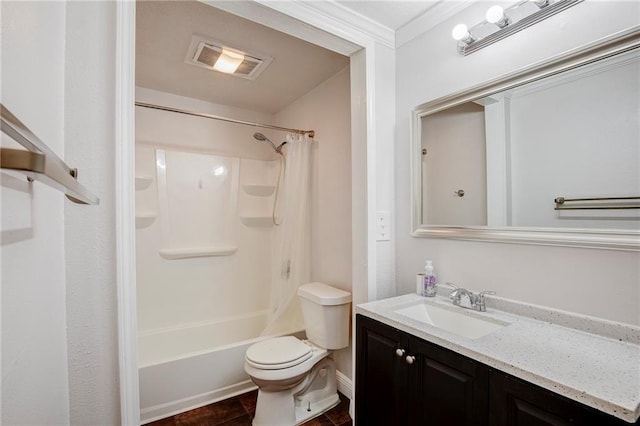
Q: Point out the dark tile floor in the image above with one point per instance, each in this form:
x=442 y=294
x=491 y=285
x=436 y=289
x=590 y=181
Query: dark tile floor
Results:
x=238 y=411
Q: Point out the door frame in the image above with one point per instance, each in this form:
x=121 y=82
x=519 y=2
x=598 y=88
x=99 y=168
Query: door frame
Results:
x=312 y=22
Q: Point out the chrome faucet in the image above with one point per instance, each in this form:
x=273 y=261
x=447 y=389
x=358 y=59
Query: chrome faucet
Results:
x=468 y=299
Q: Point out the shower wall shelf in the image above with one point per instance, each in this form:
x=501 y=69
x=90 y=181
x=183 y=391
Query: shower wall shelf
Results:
x=187 y=253
x=144 y=220
x=257 y=221
x=259 y=190
x=143 y=182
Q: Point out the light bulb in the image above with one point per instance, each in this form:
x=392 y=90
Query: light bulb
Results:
x=495 y=15
x=228 y=61
x=460 y=32
x=463 y=36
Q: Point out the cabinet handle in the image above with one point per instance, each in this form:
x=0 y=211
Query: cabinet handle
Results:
x=410 y=359
x=400 y=352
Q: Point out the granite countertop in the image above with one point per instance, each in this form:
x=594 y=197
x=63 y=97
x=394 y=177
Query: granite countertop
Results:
x=595 y=362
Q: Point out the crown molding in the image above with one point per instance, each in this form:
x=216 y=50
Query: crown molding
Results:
x=435 y=15
x=336 y=18
x=355 y=29
x=280 y=16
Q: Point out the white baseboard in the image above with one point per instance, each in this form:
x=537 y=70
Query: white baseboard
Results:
x=345 y=385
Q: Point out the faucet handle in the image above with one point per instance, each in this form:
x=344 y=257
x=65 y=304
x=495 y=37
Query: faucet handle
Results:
x=462 y=296
x=455 y=288
x=452 y=285
x=481 y=306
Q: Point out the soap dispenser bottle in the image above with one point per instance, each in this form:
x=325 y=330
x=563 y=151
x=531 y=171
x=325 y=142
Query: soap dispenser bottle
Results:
x=429 y=283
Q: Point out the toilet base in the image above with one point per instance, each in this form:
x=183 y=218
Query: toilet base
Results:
x=314 y=395
x=303 y=414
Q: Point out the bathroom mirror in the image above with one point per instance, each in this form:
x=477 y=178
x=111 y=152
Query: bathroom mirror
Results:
x=549 y=155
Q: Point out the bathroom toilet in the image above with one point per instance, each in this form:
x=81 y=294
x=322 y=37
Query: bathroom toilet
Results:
x=296 y=379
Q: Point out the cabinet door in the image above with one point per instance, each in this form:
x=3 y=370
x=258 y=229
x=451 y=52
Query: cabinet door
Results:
x=514 y=402
x=446 y=388
x=380 y=374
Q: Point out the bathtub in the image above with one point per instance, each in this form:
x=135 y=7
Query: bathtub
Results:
x=182 y=368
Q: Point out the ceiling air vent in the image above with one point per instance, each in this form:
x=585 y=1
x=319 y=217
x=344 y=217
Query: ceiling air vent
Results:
x=216 y=56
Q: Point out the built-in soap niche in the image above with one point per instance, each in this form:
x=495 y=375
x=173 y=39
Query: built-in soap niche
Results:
x=185 y=253
x=257 y=221
x=259 y=188
x=143 y=182
x=146 y=197
x=144 y=219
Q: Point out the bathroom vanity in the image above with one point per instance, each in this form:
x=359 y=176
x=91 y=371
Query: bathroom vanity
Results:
x=424 y=362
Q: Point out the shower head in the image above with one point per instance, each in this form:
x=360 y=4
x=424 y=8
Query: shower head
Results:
x=260 y=137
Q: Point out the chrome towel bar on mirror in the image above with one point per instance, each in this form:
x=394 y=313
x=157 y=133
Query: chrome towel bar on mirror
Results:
x=39 y=162
x=598 y=203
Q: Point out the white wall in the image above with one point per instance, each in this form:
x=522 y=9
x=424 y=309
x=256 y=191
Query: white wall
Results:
x=595 y=282
x=384 y=155
x=59 y=356
x=35 y=388
x=327 y=110
x=89 y=230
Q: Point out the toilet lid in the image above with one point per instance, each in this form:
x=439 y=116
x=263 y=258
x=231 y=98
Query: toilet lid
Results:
x=279 y=352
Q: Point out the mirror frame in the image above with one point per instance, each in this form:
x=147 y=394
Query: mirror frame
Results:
x=618 y=43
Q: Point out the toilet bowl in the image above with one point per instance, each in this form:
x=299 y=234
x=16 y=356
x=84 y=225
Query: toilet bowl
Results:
x=296 y=378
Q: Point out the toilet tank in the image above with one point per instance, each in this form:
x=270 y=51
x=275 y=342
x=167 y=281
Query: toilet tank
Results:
x=326 y=311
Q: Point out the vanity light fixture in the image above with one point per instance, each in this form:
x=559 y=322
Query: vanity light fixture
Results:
x=540 y=3
x=495 y=15
x=501 y=23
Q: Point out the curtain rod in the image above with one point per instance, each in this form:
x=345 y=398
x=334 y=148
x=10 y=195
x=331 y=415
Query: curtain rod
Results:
x=311 y=133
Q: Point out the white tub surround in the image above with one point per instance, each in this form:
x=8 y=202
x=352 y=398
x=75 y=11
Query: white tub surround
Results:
x=595 y=362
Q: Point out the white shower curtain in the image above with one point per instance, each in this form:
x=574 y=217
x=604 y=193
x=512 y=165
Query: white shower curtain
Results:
x=291 y=242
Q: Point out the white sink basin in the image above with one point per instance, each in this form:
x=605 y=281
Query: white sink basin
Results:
x=452 y=319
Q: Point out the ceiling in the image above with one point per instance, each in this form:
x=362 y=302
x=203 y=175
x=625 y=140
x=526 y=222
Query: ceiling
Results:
x=164 y=30
x=163 y=35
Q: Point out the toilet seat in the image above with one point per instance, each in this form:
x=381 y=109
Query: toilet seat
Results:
x=278 y=353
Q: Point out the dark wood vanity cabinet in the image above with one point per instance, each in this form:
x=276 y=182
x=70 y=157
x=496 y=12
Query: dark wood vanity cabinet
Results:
x=404 y=380
x=514 y=402
x=445 y=388
x=380 y=374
